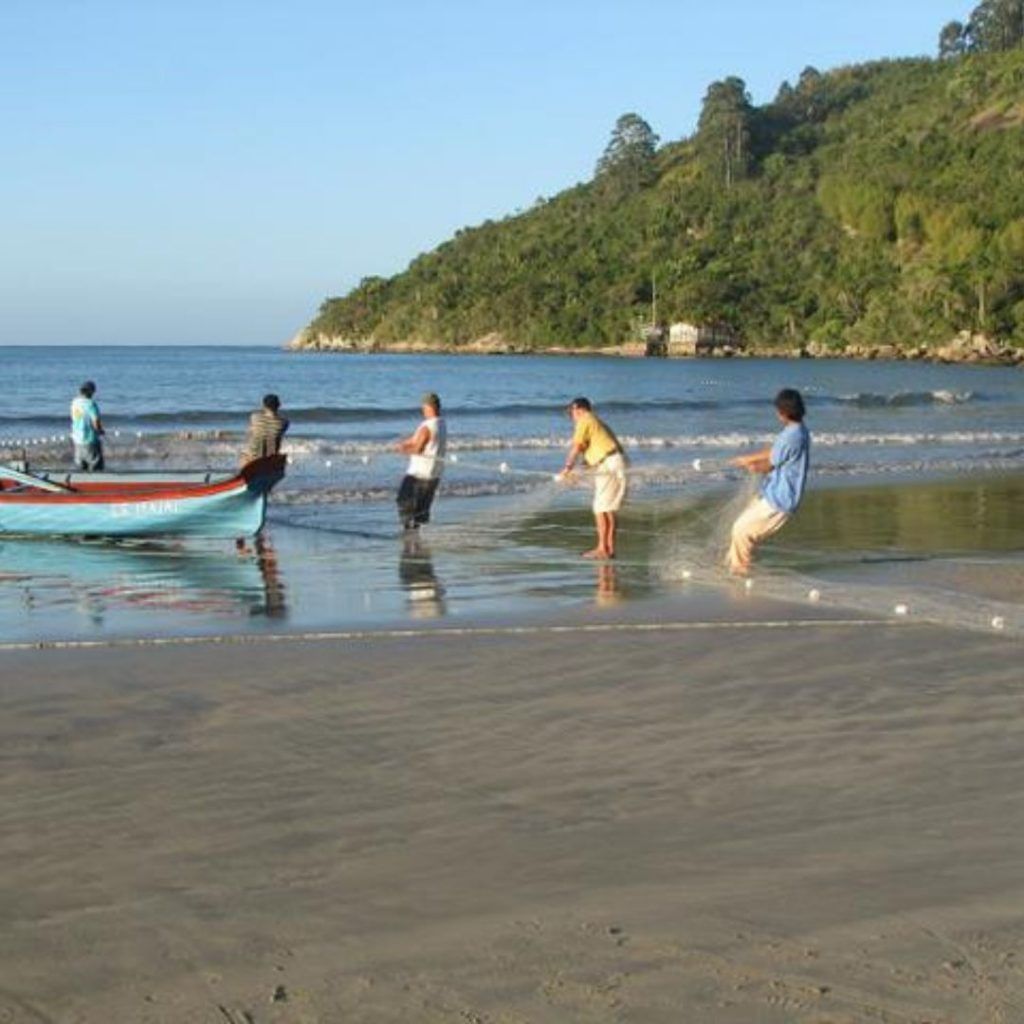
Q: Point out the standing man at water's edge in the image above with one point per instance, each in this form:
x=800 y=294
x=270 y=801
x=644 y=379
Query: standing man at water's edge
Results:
x=87 y=429
x=785 y=465
x=594 y=440
x=426 y=448
x=266 y=428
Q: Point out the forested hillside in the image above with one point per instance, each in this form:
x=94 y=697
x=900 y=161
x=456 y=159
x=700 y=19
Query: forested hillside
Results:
x=873 y=204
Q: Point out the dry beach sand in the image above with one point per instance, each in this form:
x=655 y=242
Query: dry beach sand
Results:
x=820 y=822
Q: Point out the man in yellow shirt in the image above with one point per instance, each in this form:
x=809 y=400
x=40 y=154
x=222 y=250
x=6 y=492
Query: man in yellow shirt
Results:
x=594 y=441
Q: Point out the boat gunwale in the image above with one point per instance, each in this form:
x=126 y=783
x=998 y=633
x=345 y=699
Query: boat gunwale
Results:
x=107 y=492
x=123 y=494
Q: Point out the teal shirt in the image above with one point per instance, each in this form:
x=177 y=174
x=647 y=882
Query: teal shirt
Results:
x=85 y=414
x=783 y=487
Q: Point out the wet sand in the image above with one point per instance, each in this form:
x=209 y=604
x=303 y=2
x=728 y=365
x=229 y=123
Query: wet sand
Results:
x=815 y=822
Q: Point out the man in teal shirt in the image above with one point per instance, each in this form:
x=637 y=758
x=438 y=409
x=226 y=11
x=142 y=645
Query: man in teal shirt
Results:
x=785 y=465
x=87 y=429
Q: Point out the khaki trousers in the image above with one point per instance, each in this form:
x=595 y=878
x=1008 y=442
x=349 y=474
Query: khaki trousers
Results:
x=610 y=484
x=757 y=521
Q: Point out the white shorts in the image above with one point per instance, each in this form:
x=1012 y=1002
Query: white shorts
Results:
x=610 y=484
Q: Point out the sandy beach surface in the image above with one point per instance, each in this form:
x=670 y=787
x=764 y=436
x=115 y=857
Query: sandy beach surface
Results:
x=738 y=822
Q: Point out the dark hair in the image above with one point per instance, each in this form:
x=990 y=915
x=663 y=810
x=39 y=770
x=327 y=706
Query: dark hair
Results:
x=271 y=402
x=580 y=403
x=791 y=404
x=88 y=389
x=431 y=398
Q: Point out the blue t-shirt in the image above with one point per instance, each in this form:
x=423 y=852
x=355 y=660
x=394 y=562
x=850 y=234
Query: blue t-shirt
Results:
x=783 y=487
x=85 y=413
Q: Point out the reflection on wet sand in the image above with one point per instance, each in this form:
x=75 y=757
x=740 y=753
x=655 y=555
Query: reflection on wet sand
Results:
x=424 y=590
x=274 y=604
x=929 y=518
x=96 y=578
x=609 y=592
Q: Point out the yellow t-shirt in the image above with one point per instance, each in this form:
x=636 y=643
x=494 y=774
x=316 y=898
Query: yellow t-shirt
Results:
x=594 y=439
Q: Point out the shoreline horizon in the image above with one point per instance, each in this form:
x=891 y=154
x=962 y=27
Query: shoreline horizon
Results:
x=160 y=592
x=624 y=350
x=965 y=348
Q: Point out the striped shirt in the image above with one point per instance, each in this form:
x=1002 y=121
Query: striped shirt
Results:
x=266 y=429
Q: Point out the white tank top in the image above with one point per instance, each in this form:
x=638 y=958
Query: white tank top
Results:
x=429 y=463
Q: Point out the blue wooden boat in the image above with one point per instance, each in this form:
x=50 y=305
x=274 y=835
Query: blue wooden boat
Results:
x=157 y=504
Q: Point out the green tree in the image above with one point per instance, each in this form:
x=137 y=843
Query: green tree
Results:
x=953 y=40
x=627 y=164
x=723 y=131
x=810 y=93
x=996 y=25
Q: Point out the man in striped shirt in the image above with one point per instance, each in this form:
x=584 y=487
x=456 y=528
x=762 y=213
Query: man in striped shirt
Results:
x=266 y=428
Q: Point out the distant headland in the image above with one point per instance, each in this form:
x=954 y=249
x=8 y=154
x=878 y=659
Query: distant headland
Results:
x=871 y=211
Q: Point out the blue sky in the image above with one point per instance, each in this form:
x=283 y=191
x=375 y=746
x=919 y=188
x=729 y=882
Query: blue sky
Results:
x=207 y=172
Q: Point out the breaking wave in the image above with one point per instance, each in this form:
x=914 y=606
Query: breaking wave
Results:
x=898 y=399
x=192 y=447
x=376 y=414
x=313 y=446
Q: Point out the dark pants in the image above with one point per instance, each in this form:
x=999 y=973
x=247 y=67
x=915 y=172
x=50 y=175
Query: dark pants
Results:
x=89 y=457
x=414 y=499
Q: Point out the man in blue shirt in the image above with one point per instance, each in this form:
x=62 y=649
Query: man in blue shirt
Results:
x=785 y=465
x=87 y=429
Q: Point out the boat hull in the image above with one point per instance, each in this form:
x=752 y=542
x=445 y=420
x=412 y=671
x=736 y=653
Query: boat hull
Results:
x=232 y=506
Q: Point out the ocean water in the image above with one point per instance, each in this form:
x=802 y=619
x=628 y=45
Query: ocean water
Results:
x=916 y=487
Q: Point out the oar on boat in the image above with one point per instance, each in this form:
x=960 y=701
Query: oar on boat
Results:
x=31 y=480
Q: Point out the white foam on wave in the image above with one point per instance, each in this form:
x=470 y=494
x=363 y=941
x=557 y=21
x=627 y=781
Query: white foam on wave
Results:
x=724 y=440
x=939 y=396
x=199 y=447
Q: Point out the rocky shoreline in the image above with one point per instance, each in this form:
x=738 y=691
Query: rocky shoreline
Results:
x=964 y=348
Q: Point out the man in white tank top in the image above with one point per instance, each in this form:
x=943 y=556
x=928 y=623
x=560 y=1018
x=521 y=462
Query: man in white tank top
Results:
x=426 y=449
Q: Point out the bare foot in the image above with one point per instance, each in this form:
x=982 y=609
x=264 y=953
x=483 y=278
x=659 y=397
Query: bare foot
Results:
x=596 y=553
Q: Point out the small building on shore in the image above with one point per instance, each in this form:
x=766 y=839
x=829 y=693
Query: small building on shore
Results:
x=699 y=339
x=688 y=340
